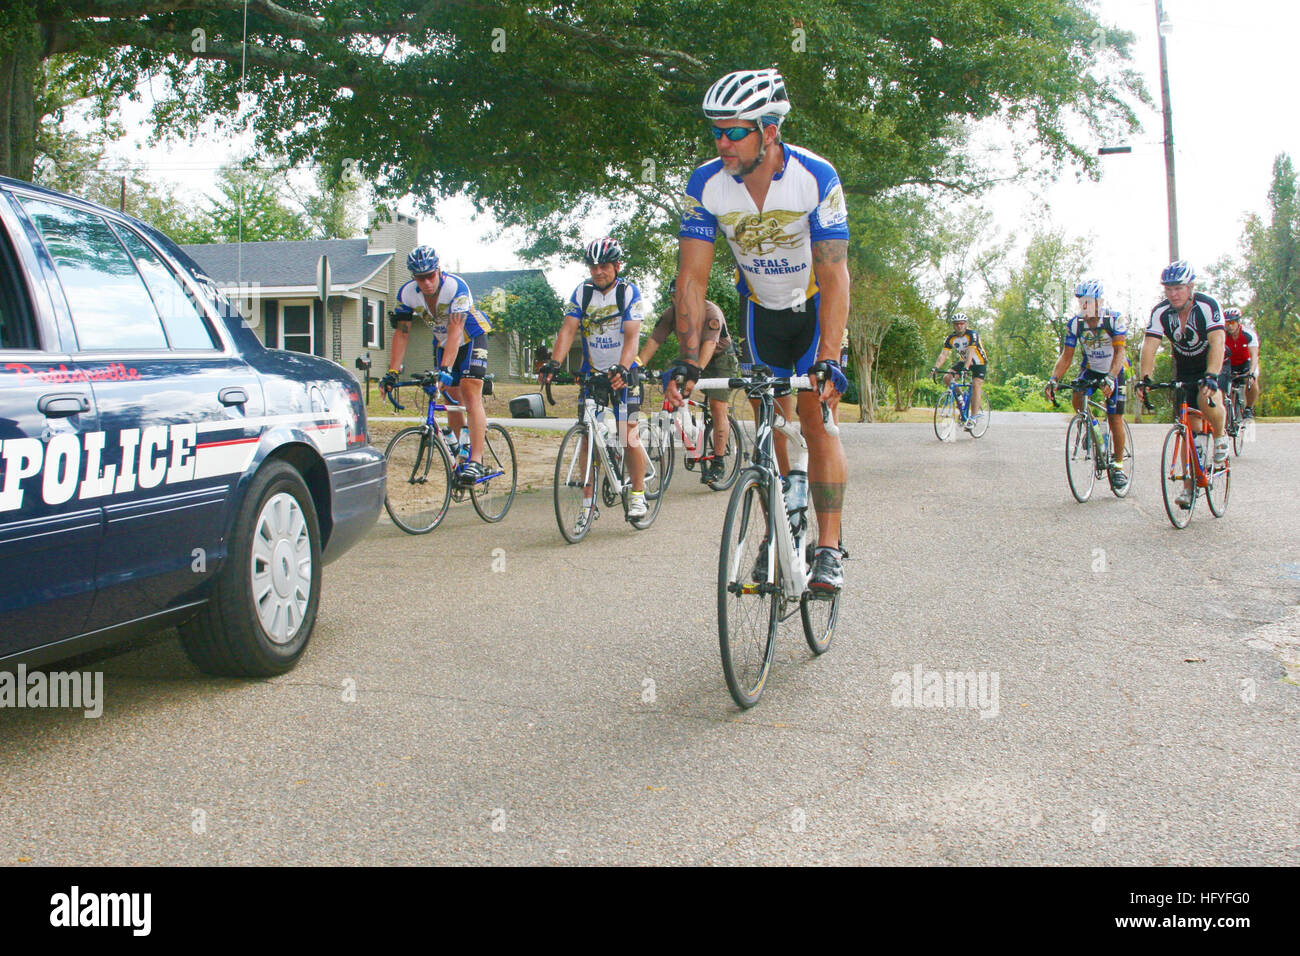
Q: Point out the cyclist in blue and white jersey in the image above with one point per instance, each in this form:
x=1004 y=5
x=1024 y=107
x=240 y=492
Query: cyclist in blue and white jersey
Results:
x=782 y=210
x=1193 y=323
x=607 y=311
x=459 y=331
x=1102 y=334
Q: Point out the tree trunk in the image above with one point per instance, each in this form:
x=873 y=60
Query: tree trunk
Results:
x=20 y=62
x=866 y=384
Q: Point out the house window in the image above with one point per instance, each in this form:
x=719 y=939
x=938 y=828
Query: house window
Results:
x=296 y=328
x=372 y=319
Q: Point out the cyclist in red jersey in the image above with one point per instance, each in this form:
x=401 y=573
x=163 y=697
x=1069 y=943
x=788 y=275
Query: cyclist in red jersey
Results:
x=1240 y=357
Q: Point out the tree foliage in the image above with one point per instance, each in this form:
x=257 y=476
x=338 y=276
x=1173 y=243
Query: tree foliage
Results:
x=546 y=112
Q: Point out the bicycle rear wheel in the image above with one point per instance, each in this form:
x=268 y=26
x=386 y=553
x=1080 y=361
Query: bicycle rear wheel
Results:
x=818 y=613
x=982 y=419
x=653 y=469
x=575 y=466
x=418 y=491
x=945 y=418
x=492 y=496
x=1130 y=472
x=1216 y=495
x=747 y=609
x=1173 y=469
x=1238 y=426
x=730 y=458
x=1080 y=469
x=654 y=434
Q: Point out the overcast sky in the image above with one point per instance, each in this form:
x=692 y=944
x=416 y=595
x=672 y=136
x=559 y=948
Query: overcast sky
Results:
x=1232 y=69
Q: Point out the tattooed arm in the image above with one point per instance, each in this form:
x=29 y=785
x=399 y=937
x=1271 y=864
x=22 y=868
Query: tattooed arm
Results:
x=695 y=261
x=831 y=268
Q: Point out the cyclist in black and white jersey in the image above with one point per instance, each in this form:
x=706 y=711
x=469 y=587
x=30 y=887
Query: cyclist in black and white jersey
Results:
x=782 y=210
x=1193 y=323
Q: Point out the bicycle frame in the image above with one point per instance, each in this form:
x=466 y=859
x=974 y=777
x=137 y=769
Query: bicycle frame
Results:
x=781 y=544
x=431 y=418
x=1186 y=436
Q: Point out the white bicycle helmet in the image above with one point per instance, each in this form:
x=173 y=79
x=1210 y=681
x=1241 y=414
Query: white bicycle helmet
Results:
x=748 y=95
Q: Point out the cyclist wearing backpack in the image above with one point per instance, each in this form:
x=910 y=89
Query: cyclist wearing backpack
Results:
x=607 y=311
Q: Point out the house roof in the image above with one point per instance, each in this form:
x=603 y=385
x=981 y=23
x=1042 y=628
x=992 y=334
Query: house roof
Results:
x=482 y=283
x=288 y=263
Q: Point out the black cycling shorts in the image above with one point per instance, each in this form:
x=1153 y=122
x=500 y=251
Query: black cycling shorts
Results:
x=785 y=340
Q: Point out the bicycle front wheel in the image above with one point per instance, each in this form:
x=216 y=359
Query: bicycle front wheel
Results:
x=747 y=590
x=945 y=418
x=730 y=458
x=419 y=480
x=1173 y=469
x=1080 y=469
x=575 y=469
x=492 y=496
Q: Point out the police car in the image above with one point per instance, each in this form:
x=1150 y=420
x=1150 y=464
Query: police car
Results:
x=158 y=465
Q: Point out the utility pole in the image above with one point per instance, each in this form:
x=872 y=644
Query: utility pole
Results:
x=1164 y=27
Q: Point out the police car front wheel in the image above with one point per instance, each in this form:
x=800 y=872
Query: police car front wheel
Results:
x=263 y=607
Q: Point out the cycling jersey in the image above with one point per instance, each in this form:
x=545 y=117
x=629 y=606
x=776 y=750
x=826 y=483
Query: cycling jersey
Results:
x=1098 y=342
x=452 y=297
x=804 y=204
x=1237 y=349
x=962 y=342
x=1191 y=340
x=602 y=323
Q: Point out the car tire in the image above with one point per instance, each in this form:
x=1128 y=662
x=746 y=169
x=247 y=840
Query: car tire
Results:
x=260 y=614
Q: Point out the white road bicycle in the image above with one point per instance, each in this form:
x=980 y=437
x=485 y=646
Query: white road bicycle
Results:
x=590 y=466
x=765 y=561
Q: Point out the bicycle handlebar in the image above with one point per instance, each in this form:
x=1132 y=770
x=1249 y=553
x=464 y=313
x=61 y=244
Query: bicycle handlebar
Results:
x=1152 y=386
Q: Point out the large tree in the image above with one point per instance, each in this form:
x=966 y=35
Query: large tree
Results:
x=1031 y=312
x=542 y=110
x=1272 y=257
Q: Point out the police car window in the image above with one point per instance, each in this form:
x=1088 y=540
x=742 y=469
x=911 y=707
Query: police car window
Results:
x=16 y=327
x=185 y=326
x=111 y=308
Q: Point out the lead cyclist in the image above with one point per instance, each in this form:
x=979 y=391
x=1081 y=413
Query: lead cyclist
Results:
x=782 y=209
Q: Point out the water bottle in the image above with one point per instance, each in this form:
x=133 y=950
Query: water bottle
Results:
x=453 y=445
x=463 y=453
x=796 y=504
x=692 y=433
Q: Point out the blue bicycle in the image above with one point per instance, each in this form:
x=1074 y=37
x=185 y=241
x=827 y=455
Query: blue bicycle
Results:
x=420 y=485
x=950 y=412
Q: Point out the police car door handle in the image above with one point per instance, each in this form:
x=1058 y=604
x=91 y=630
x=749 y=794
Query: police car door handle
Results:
x=232 y=396
x=63 y=404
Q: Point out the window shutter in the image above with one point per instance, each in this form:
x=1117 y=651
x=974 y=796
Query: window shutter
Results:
x=365 y=321
x=318 y=327
x=271 y=319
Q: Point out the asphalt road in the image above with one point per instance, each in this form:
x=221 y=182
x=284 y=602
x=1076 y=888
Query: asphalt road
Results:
x=487 y=694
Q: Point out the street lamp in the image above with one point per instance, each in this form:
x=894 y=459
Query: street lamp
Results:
x=1165 y=27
